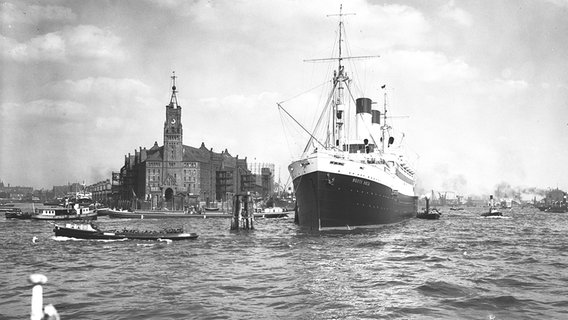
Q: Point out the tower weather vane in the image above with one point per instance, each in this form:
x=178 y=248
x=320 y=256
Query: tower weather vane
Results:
x=173 y=100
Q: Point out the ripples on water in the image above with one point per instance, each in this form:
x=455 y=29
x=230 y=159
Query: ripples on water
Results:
x=462 y=266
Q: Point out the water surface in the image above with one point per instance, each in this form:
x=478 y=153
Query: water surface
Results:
x=462 y=266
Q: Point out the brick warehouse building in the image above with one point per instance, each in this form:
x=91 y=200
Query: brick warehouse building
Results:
x=175 y=176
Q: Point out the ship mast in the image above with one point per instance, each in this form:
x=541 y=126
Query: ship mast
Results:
x=336 y=131
x=340 y=77
x=384 y=127
x=387 y=138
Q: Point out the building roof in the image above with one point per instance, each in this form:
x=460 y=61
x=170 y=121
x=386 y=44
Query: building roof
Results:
x=196 y=154
x=190 y=154
x=155 y=154
x=155 y=146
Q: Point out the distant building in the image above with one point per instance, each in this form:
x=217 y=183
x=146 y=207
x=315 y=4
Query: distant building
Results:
x=101 y=192
x=66 y=190
x=445 y=198
x=174 y=175
x=263 y=174
x=15 y=193
x=555 y=196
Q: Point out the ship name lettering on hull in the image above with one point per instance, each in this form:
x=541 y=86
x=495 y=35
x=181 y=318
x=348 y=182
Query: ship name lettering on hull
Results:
x=361 y=181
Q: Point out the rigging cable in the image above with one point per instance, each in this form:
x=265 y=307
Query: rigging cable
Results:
x=301 y=126
x=324 y=112
x=302 y=93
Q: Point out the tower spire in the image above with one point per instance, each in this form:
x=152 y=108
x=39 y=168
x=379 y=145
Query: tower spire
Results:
x=173 y=99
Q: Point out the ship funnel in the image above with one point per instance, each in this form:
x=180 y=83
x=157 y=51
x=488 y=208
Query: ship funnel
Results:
x=376 y=116
x=376 y=123
x=363 y=117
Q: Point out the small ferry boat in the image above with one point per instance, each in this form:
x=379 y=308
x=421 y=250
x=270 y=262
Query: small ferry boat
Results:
x=90 y=231
x=103 y=211
x=274 y=212
x=65 y=213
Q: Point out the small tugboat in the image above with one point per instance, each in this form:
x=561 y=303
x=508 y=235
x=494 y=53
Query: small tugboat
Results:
x=433 y=214
x=65 y=213
x=90 y=231
x=16 y=213
x=493 y=212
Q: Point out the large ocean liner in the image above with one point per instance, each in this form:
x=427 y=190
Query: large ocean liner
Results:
x=357 y=174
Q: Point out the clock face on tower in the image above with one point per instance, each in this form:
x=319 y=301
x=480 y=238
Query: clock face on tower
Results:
x=173 y=121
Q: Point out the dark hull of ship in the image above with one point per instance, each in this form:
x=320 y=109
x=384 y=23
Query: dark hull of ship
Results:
x=329 y=200
x=101 y=235
x=428 y=216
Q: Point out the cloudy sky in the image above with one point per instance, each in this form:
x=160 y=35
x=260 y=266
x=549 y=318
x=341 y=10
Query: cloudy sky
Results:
x=484 y=83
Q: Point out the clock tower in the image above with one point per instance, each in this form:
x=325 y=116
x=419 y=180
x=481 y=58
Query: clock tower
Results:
x=173 y=143
x=173 y=132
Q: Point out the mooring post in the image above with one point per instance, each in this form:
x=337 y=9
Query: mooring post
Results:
x=236 y=213
x=37 y=296
x=248 y=212
x=242 y=215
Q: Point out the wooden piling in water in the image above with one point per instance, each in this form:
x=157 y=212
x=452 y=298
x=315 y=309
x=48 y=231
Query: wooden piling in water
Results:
x=243 y=212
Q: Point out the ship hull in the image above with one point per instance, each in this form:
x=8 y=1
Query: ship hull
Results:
x=101 y=235
x=332 y=200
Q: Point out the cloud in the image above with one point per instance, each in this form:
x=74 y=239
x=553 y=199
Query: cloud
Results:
x=373 y=25
x=81 y=42
x=267 y=23
x=112 y=106
x=103 y=92
x=97 y=101
x=559 y=3
x=463 y=87
x=429 y=67
x=452 y=12
x=47 y=47
x=21 y=13
x=73 y=122
x=244 y=115
x=52 y=110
